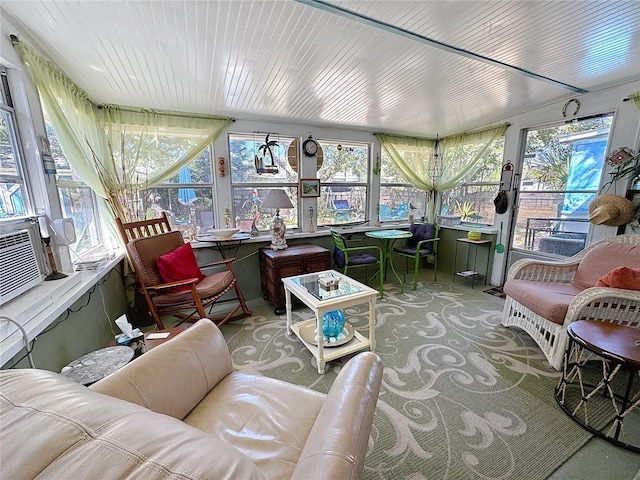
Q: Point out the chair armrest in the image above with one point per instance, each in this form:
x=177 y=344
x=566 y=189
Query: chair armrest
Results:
x=217 y=263
x=543 y=271
x=606 y=304
x=337 y=443
x=173 y=377
x=433 y=240
x=177 y=283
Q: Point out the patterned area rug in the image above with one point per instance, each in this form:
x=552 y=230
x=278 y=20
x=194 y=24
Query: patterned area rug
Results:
x=462 y=397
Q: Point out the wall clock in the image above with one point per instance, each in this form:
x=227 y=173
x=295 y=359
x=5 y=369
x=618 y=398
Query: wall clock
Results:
x=310 y=147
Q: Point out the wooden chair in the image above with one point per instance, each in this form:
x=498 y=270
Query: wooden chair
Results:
x=148 y=239
x=423 y=244
x=346 y=257
x=144 y=228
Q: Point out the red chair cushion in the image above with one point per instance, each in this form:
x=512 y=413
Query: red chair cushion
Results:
x=179 y=264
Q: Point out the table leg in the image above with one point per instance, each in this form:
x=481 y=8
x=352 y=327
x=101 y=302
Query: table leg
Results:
x=320 y=358
x=388 y=246
x=287 y=296
x=475 y=261
x=372 y=324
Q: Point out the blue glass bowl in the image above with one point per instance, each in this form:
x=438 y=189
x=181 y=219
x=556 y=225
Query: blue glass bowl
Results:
x=333 y=323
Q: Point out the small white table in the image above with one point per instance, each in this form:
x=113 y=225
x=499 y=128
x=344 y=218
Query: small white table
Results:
x=349 y=294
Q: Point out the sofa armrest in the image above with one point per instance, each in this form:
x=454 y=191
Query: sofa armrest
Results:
x=543 y=271
x=338 y=440
x=175 y=376
x=606 y=304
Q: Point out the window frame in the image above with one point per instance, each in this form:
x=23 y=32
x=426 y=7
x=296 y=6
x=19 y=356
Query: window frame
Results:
x=345 y=211
x=21 y=177
x=246 y=194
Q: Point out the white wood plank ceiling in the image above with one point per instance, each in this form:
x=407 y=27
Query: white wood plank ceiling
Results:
x=370 y=67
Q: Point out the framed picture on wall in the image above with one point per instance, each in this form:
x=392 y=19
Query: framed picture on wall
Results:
x=309 y=187
x=634 y=225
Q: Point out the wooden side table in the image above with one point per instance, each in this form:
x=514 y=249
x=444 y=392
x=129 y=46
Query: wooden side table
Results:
x=600 y=394
x=294 y=260
x=154 y=342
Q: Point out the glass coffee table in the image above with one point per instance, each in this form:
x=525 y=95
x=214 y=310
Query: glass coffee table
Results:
x=320 y=300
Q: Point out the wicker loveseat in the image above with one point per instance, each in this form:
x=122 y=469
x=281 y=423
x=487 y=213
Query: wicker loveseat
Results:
x=543 y=297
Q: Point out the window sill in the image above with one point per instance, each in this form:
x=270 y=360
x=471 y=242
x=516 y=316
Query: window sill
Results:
x=321 y=232
x=39 y=307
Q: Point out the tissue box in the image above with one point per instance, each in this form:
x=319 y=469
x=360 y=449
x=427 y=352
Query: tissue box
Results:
x=329 y=283
x=136 y=342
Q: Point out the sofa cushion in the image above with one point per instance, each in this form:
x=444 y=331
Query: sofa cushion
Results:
x=600 y=260
x=179 y=264
x=175 y=376
x=54 y=428
x=268 y=420
x=621 y=277
x=549 y=300
x=209 y=286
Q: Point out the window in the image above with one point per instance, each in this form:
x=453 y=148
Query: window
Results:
x=344 y=179
x=186 y=197
x=13 y=192
x=473 y=200
x=398 y=199
x=249 y=188
x=561 y=173
x=76 y=199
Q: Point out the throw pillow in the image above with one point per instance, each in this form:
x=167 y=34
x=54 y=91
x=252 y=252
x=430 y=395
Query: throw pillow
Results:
x=179 y=264
x=621 y=277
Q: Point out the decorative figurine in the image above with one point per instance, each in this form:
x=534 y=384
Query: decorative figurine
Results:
x=312 y=227
x=254 y=228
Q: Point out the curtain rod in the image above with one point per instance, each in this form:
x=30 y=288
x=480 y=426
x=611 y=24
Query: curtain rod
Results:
x=508 y=124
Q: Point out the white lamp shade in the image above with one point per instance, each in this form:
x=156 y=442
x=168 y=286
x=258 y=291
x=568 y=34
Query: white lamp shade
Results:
x=277 y=199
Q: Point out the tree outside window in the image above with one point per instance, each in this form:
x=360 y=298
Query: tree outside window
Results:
x=344 y=177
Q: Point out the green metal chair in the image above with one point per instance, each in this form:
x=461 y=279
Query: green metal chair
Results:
x=423 y=244
x=346 y=257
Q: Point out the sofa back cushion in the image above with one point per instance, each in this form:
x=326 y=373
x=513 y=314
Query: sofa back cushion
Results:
x=194 y=361
x=54 y=428
x=602 y=259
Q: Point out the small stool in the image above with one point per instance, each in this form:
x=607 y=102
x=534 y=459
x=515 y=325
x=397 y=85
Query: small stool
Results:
x=96 y=365
x=597 y=385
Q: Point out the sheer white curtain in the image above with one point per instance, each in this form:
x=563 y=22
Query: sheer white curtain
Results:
x=459 y=158
x=116 y=150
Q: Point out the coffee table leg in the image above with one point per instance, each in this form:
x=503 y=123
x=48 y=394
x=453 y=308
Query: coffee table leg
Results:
x=287 y=296
x=372 y=324
x=320 y=359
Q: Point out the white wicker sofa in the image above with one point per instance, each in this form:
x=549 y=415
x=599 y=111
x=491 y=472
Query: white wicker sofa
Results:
x=543 y=297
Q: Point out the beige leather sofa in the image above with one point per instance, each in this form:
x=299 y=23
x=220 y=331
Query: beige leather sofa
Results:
x=180 y=412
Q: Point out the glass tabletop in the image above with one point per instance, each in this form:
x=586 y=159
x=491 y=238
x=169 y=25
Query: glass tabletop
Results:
x=384 y=234
x=311 y=283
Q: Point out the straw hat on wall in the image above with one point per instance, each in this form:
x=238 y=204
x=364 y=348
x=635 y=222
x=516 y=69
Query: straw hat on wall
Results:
x=610 y=210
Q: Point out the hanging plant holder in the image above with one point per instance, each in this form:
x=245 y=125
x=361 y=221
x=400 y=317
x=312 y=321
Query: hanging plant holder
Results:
x=266 y=153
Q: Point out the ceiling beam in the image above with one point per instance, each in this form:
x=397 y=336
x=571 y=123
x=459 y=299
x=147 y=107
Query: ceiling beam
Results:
x=351 y=15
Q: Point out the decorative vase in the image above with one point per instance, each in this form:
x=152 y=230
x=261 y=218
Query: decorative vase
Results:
x=333 y=323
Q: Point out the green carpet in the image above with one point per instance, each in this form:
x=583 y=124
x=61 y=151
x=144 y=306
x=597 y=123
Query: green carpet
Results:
x=462 y=397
